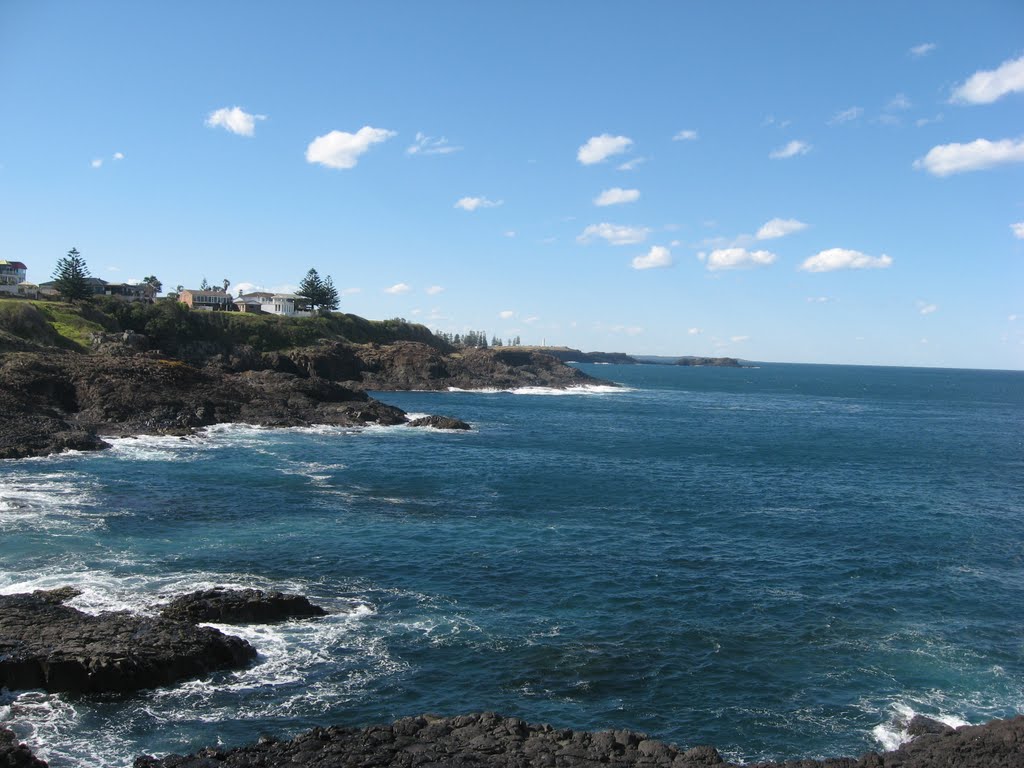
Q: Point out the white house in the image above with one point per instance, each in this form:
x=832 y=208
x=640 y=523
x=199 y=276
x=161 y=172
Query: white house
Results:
x=12 y=273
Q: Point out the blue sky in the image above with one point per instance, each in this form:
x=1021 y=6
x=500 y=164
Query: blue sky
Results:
x=790 y=181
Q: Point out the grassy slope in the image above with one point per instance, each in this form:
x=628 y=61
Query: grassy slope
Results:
x=172 y=326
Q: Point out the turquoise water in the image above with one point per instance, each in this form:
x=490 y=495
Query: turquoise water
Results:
x=783 y=561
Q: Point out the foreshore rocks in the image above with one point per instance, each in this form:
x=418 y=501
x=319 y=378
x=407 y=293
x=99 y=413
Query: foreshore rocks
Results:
x=239 y=606
x=45 y=644
x=58 y=400
x=14 y=754
x=498 y=742
x=440 y=422
x=52 y=402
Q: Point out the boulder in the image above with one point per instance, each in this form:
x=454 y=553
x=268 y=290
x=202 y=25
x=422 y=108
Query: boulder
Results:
x=14 y=754
x=45 y=644
x=239 y=606
x=439 y=422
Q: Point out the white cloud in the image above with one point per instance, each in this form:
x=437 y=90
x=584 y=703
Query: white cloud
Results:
x=631 y=164
x=1012 y=318
x=818 y=299
x=738 y=339
x=96 y=163
x=923 y=121
x=987 y=86
x=398 y=288
x=614 y=234
x=841 y=258
x=779 y=228
x=427 y=145
x=738 y=258
x=695 y=331
x=339 y=149
x=617 y=195
x=506 y=314
x=922 y=50
x=925 y=308
x=792 y=149
x=898 y=102
x=600 y=148
x=846 y=115
x=119 y=155
x=234 y=119
x=946 y=159
x=434 y=290
x=1018 y=230
x=510 y=233
x=685 y=136
x=350 y=291
x=472 y=203
x=657 y=257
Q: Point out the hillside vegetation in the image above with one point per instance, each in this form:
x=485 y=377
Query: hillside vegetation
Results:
x=173 y=327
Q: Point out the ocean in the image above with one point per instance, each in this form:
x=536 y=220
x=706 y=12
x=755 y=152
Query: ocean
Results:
x=783 y=561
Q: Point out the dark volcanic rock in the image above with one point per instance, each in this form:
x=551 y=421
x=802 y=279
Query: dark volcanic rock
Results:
x=411 y=365
x=62 y=400
x=920 y=725
x=44 y=644
x=490 y=740
x=439 y=422
x=239 y=606
x=14 y=754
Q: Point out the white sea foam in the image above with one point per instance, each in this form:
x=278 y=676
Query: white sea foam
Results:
x=50 y=501
x=891 y=734
x=586 y=389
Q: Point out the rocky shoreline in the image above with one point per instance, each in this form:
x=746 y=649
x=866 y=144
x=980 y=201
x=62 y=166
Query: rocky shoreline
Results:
x=491 y=741
x=58 y=400
x=47 y=645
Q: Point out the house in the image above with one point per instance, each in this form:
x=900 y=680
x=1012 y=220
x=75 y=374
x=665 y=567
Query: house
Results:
x=98 y=287
x=248 y=303
x=288 y=304
x=210 y=299
x=12 y=273
x=131 y=291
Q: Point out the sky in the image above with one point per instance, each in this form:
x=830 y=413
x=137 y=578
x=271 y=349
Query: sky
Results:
x=820 y=182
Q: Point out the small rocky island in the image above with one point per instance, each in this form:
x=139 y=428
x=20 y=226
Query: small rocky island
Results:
x=173 y=370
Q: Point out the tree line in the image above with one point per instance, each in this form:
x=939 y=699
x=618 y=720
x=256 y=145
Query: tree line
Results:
x=477 y=339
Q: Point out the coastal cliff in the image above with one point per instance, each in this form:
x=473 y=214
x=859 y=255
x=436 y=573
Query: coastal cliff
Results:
x=57 y=393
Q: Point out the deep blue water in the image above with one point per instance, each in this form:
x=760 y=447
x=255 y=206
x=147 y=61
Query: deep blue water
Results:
x=783 y=561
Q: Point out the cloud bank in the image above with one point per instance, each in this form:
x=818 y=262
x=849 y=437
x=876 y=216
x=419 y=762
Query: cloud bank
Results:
x=600 y=148
x=234 y=119
x=835 y=259
x=617 y=196
x=656 y=258
x=341 y=150
x=987 y=86
x=978 y=155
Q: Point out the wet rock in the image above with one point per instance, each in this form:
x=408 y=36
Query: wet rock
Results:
x=239 y=606
x=439 y=422
x=489 y=740
x=920 y=725
x=44 y=644
x=14 y=754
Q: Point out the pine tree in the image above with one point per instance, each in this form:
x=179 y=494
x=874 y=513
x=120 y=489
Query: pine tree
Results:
x=330 y=297
x=204 y=286
x=70 y=277
x=312 y=287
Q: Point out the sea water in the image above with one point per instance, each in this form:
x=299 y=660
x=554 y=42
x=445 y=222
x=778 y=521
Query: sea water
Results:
x=783 y=561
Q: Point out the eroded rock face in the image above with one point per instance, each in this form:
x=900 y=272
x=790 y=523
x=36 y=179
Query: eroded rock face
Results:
x=45 y=644
x=239 y=606
x=490 y=740
x=52 y=402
